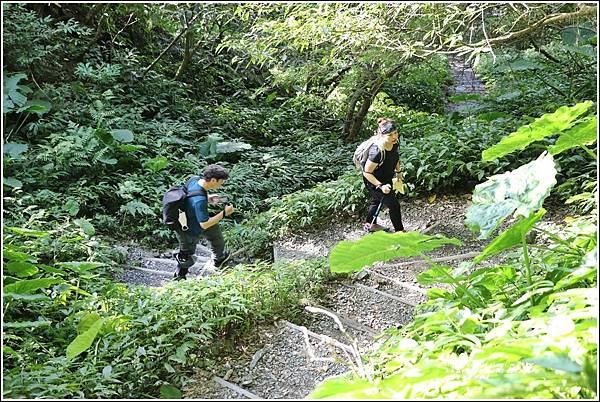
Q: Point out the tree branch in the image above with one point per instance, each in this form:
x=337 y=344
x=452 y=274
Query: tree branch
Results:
x=584 y=11
x=170 y=45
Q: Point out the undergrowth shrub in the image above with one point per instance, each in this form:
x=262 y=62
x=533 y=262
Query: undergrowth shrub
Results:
x=71 y=332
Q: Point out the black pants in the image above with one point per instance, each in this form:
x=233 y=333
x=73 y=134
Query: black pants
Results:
x=187 y=247
x=390 y=201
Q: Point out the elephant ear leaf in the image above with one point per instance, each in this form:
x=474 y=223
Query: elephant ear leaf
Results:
x=583 y=133
x=549 y=124
x=521 y=191
x=84 y=340
x=351 y=256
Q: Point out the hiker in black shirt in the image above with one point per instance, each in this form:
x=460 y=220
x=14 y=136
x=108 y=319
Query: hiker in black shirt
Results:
x=379 y=169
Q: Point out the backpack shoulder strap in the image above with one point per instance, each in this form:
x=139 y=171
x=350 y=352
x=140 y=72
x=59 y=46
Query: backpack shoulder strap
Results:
x=202 y=191
x=195 y=193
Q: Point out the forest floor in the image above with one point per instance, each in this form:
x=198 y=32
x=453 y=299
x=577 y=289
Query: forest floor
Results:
x=283 y=360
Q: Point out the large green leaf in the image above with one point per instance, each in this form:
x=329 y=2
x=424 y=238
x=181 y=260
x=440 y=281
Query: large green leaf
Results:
x=87 y=322
x=521 y=192
x=556 y=362
x=581 y=134
x=157 y=164
x=27 y=232
x=342 y=388
x=21 y=268
x=11 y=254
x=228 y=146
x=348 y=256
x=548 y=124
x=36 y=106
x=11 y=91
x=83 y=341
x=27 y=297
x=14 y=149
x=122 y=135
x=86 y=226
x=12 y=182
x=80 y=266
x=28 y=286
x=27 y=324
x=168 y=391
x=511 y=237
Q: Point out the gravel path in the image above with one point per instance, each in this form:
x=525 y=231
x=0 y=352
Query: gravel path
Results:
x=281 y=362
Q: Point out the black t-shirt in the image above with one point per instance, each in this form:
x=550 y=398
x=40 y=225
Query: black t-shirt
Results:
x=384 y=172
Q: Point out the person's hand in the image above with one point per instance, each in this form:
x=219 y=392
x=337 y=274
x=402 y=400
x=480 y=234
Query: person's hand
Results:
x=386 y=188
x=228 y=209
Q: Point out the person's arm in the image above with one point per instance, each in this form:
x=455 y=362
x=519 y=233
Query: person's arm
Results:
x=218 y=217
x=213 y=220
x=370 y=167
x=398 y=169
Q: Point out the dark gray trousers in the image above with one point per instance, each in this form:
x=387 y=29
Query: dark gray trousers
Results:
x=187 y=247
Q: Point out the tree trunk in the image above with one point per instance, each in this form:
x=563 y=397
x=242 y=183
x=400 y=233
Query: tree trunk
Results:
x=187 y=57
x=350 y=112
x=190 y=23
x=353 y=125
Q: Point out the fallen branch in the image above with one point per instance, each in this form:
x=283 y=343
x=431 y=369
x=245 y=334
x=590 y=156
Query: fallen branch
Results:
x=235 y=388
x=397 y=282
x=324 y=338
x=349 y=322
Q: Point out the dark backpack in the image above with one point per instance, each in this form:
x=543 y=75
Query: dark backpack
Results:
x=174 y=203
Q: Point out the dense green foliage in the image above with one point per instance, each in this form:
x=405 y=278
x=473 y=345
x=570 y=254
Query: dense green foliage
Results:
x=107 y=105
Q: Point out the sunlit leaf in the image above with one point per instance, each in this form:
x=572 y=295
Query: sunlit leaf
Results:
x=13 y=255
x=30 y=285
x=519 y=192
x=83 y=341
x=157 y=164
x=27 y=232
x=342 y=388
x=348 y=256
x=81 y=266
x=548 y=124
x=87 y=321
x=583 y=133
x=227 y=147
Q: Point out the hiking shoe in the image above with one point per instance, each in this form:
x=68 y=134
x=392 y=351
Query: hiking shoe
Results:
x=219 y=262
x=177 y=277
x=375 y=227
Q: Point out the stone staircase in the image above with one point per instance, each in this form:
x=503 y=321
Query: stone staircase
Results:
x=465 y=83
x=155 y=271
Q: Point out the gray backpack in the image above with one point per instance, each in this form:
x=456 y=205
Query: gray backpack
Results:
x=362 y=152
